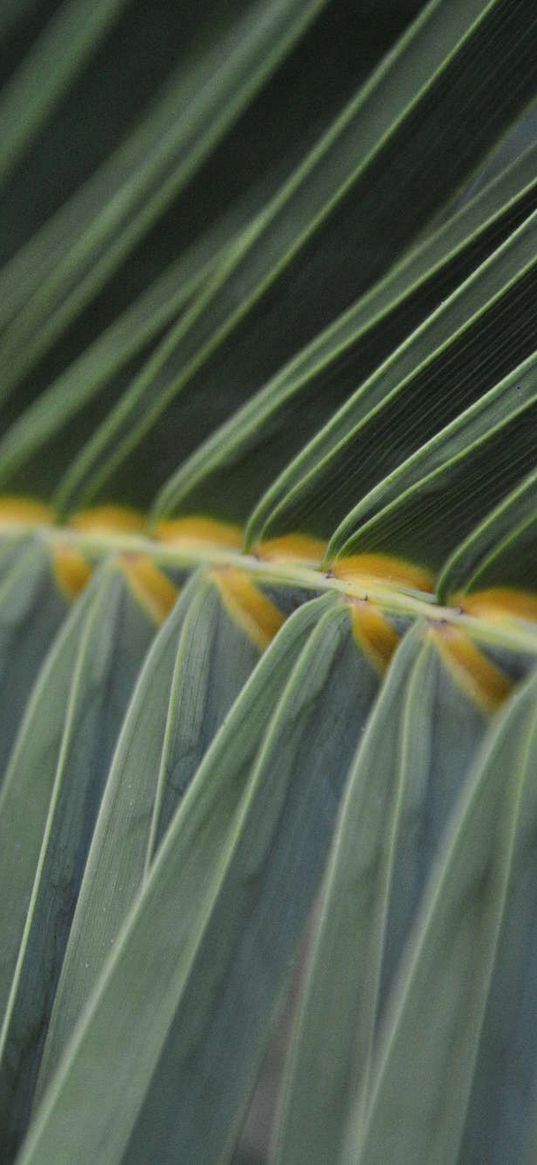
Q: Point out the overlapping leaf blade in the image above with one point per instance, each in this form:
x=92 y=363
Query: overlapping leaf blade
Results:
x=32 y=607
x=422 y=1084
x=220 y=1031
x=69 y=38
x=344 y=347
x=429 y=469
x=47 y=810
x=162 y=936
x=499 y=550
x=239 y=331
x=198 y=664
x=206 y=98
x=43 y=439
x=408 y=396
x=230 y=471
x=499 y=1110
x=411 y=764
x=497 y=451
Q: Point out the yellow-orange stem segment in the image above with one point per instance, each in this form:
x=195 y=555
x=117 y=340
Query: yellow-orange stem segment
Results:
x=498 y=603
x=394 y=572
x=152 y=586
x=198 y=531
x=292 y=548
x=477 y=674
x=109 y=520
x=374 y=634
x=71 y=570
x=259 y=617
x=16 y=511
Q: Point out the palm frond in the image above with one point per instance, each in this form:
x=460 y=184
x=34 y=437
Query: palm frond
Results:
x=268 y=581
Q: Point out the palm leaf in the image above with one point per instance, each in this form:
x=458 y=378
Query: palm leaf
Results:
x=268 y=591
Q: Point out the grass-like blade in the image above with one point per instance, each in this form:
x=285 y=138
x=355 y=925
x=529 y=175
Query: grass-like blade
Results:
x=40 y=442
x=229 y=472
x=211 y=92
x=454 y=477
x=240 y=330
x=201 y=1086
x=440 y=370
x=412 y=762
x=426 y=1062
x=69 y=38
x=499 y=550
x=47 y=809
x=498 y=1122
x=32 y=607
x=197 y=665
x=206 y=878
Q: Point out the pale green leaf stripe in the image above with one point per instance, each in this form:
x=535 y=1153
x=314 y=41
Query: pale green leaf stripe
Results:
x=500 y=550
x=147 y=974
x=256 y=442
x=210 y=95
x=417 y=387
x=70 y=37
x=197 y=666
x=317 y=198
x=495 y=410
x=32 y=608
x=423 y=1079
x=62 y=407
x=47 y=810
x=412 y=762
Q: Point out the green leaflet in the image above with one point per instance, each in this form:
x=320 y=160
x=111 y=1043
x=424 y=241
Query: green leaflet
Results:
x=262 y=288
x=212 y=889
x=230 y=471
x=46 y=436
x=531 y=1139
x=13 y=12
x=47 y=809
x=240 y=740
x=109 y=125
x=69 y=38
x=422 y=1083
x=10 y=547
x=312 y=80
x=201 y=1086
x=268 y=303
x=148 y=173
x=440 y=370
x=32 y=608
x=500 y=550
x=411 y=764
x=453 y=479
x=499 y=1110
x=496 y=412
x=198 y=664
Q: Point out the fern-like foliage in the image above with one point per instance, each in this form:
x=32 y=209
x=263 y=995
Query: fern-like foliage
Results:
x=268 y=583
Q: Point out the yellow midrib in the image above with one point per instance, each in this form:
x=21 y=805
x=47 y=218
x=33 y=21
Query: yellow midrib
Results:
x=506 y=617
